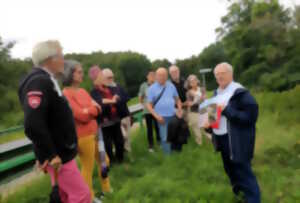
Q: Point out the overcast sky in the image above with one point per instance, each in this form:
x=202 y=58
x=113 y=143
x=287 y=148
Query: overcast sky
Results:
x=169 y=29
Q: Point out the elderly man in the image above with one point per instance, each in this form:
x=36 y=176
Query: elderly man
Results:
x=162 y=97
x=235 y=137
x=178 y=82
x=121 y=105
x=49 y=123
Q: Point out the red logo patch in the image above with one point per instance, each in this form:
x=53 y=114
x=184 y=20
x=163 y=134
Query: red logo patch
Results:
x=34 y=99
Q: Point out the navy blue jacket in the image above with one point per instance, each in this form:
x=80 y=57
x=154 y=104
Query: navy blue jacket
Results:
x=241 y=113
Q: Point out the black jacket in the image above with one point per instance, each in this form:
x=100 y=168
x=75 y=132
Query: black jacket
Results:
x=241 y=113
x=97 y=95
x=180 y=89
x=48 y=119
x=178 y=131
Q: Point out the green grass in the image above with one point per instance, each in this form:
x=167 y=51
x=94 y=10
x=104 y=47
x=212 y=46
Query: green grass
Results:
x=196 y=174
x=133 y=101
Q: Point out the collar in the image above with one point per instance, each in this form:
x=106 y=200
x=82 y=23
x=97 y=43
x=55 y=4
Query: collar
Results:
x=226 y=88
x=47 y=71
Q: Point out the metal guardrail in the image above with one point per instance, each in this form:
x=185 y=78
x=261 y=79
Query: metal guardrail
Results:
x=11 y=147
x=12 y=130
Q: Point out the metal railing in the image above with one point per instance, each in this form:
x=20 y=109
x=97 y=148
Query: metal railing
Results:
x=16 y=153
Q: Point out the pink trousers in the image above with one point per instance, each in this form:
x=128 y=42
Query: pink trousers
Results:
x=72 y=188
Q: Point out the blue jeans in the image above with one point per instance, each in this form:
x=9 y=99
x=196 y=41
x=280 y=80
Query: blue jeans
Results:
x=163 y=132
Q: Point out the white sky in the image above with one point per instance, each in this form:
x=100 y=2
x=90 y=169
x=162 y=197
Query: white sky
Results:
x=169 y=29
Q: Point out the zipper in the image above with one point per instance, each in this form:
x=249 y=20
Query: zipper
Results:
x=229 y=138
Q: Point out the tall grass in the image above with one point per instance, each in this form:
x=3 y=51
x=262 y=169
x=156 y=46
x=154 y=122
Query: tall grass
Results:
x=196 y=174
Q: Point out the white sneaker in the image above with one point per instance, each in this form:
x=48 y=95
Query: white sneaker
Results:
x=96 y=200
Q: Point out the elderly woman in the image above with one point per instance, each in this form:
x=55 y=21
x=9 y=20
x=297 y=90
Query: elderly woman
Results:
x=195 y=95
x=85 y=111
x=121 y=105
x=110 y=120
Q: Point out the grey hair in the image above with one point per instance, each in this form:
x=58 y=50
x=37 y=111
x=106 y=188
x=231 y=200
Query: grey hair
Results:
x=69 y=69
x=188 y=81
x=227 y=65
x=44 y=50
x=173 y=67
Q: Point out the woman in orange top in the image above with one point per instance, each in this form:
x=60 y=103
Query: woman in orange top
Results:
x=85 y=111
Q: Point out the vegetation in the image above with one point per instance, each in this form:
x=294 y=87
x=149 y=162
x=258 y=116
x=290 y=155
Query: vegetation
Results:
x=196 y=174
x=260 y=38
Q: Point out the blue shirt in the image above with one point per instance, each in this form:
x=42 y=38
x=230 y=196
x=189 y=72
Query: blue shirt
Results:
x=165 y=107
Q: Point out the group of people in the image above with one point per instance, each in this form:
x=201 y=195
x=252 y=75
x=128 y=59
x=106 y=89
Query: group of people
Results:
x=64 y=123
x=165 y=99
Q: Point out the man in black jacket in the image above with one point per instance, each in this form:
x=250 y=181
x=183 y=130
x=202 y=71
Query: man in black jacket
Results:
x=235 y=136
x=49 y=123
x=179 y=82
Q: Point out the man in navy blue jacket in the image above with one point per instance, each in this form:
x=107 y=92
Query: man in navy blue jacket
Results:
x=235 y=137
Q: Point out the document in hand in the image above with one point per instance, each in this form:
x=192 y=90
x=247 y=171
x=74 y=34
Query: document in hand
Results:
x=210 y=112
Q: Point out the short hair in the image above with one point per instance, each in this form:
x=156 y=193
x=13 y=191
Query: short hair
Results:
x=45 y=50
x=172 y=67
x=151 y=72
x=227 y=65
x=107 y=71
x=69 y=69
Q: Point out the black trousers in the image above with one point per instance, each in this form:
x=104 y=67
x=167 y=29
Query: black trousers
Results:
x=150 y=120
x=113 y=135
x=240 y=174
x=176 y=147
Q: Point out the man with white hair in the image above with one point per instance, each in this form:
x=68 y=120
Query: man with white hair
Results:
x=49 y=123
x=235 y=136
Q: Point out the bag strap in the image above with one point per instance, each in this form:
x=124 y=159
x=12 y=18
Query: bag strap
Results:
x=159 y=96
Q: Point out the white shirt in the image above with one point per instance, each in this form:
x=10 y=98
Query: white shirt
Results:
x=222 y=98
x=56 y=86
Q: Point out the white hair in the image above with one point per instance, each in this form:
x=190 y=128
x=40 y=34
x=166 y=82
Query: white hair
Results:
x=44 y=50
x=173 y=67
x=225 y=64
x=107 y=71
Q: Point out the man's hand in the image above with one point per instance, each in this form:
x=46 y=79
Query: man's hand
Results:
x=160 y=119
x=221 y=106
x=42 y=167
x=97 y=106
x=56 y=163
x=206 y=125
x=179 y=113
x=116 y=97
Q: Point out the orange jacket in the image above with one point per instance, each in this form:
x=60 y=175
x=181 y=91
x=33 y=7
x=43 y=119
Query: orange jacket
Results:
x=84 y=111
